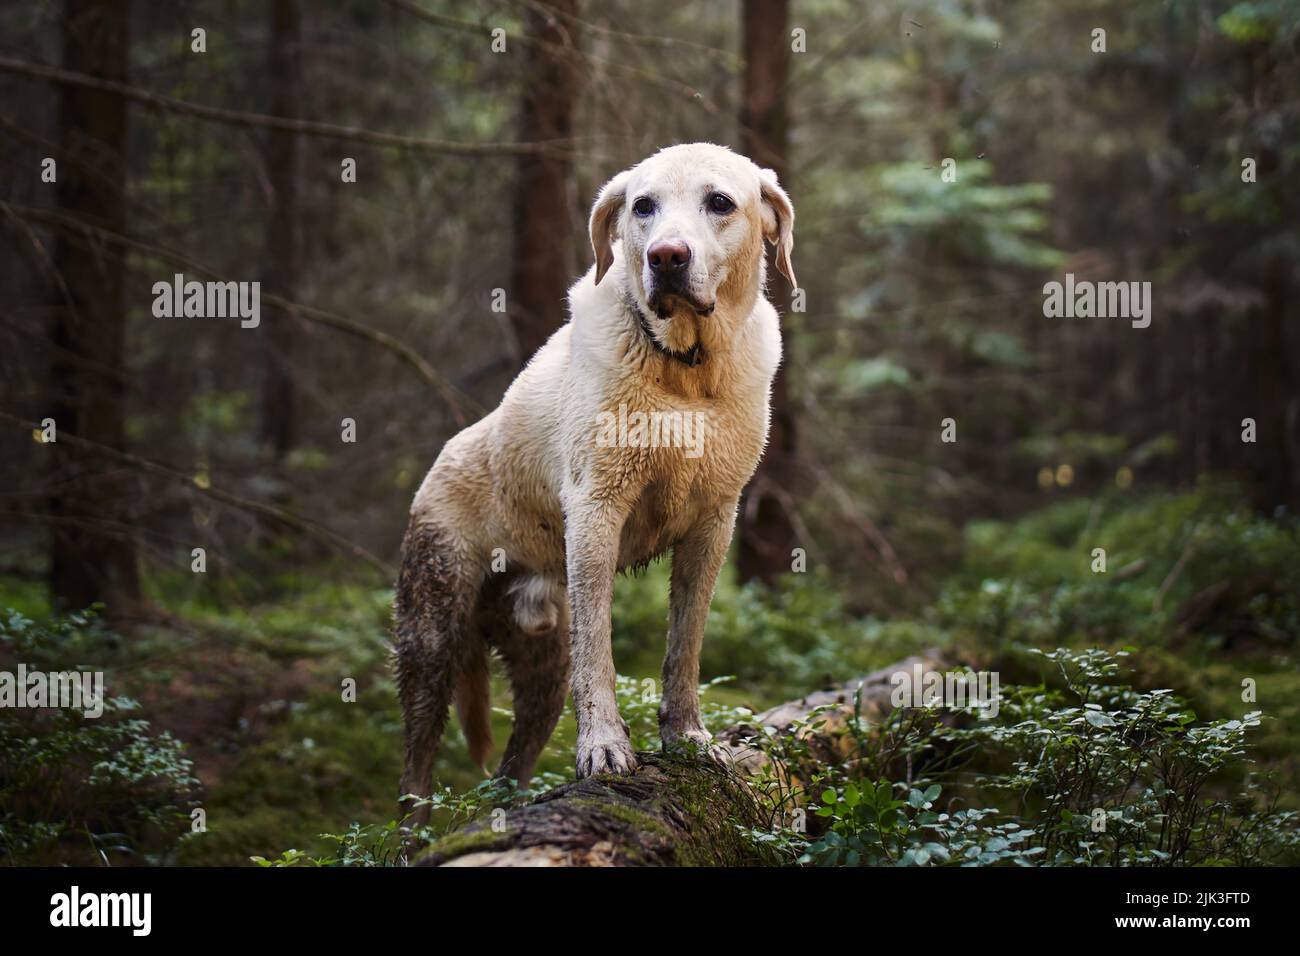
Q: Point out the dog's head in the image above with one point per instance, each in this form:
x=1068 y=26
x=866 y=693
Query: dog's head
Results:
x=692 y=220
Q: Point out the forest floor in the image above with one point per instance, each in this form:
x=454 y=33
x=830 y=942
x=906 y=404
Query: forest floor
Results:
x=256 y=690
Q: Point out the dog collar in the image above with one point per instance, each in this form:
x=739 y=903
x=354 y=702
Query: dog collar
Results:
x=690 y=358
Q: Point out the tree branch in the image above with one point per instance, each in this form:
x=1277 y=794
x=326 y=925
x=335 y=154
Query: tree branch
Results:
x=305 y=525
x=675 y=810
x=456 y=401
x=219 y=114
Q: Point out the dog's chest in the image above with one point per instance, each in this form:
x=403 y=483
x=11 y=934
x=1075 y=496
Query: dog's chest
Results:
x=665 y=510
x=687 y=485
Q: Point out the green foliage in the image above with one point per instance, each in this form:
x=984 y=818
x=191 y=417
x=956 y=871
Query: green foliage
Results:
x=1123 y=777
x=859 y=377
x=870 y=826
x=777 y=642
x=80 y=789
x=299 y=767
x=1091 y=772
x=1251 y=22
x=1032 y=582
x=982 y=219
x=388 y=844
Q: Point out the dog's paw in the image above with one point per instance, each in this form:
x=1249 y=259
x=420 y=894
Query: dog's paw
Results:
x=685 y=738
x=695 y=741
x=605 y=755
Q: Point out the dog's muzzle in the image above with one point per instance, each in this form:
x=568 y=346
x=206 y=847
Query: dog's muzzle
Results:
x=670 y=278
x=665 y=301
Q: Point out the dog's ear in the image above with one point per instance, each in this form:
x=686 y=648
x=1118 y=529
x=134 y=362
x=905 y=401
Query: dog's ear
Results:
x=778 y=223
x=604 y=216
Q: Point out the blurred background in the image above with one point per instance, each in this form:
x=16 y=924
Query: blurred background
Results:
x=387 y=169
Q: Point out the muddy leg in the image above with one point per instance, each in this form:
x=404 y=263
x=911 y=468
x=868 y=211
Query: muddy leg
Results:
x=435 y=592
x=538 y=667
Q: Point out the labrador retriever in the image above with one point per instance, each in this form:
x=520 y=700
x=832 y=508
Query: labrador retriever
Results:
x=629 y=434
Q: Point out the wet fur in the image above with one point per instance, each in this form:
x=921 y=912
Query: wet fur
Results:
x=531 y=480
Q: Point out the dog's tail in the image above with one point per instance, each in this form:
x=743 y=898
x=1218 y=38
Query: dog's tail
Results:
x=474 y=707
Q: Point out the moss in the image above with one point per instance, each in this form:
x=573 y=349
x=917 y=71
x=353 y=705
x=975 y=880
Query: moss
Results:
x=677 y=811
x=643 y=821
x=477 y=839
x=715 y=803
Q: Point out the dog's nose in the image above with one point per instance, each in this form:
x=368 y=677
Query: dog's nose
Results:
x=669 y=255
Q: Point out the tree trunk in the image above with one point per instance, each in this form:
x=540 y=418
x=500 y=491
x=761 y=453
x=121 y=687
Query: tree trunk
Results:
x=278 y=394
x=544 y=191
x=767 y=533
x=675 y=810
x=1278 y=485
x=94 y=552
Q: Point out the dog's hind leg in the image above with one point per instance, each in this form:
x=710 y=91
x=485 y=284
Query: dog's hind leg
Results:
x=435 y=596
x=534 y=646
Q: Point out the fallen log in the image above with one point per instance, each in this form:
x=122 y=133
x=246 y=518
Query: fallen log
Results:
x=675 y=810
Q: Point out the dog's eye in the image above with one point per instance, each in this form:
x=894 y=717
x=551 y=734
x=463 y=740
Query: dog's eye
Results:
x=643 y=206
x=721 y=204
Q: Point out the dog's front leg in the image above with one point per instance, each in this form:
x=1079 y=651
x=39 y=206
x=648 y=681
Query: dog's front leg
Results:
x=697 y=559
x=592 y=531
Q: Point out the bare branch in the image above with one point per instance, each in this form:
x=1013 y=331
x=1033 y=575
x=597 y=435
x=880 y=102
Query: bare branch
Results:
x=562 y=51
x=219 y=114
x=456 y=401
x=729 y=57
x=305 y=525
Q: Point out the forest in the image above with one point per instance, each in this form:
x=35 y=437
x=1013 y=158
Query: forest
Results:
x=1037 y=418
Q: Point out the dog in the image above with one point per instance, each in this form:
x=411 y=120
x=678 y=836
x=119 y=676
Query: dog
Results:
x=518 y=530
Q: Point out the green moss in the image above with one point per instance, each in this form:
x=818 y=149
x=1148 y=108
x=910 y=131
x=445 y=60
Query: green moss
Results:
x=463 y=842
x=641 y=821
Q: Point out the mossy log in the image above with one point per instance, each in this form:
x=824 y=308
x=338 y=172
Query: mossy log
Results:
x=675 y=810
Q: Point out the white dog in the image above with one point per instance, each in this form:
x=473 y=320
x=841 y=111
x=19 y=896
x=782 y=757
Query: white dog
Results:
x=520 y=526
